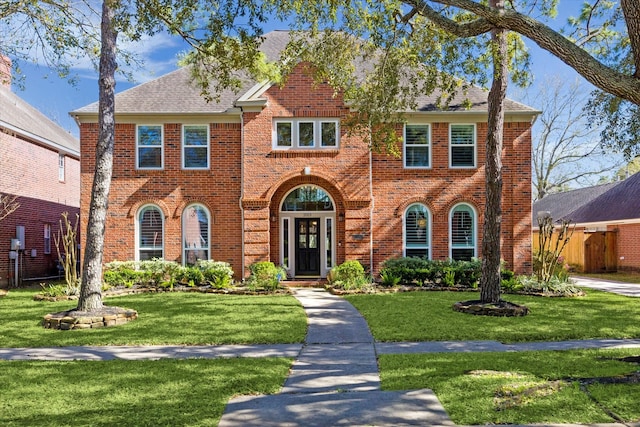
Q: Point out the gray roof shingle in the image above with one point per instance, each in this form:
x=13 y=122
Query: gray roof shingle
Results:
x=621 y=202
x=174 y=93
x=616 y=201
x=21 y=117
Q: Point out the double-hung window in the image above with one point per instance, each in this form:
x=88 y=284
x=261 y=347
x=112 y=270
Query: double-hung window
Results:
x=417 y=146
x=305 y=133
x=149 y=147
x=195 y=234
x=462 y=147
x=195 y=147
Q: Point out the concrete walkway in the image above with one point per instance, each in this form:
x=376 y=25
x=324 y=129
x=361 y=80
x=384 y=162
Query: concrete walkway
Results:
x=335 y=380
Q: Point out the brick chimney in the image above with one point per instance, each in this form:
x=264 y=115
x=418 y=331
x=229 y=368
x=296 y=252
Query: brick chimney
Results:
x=5 y=71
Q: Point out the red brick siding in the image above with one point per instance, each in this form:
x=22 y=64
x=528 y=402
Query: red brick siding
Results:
x=268 y=175
x=172 y=189
x=628 y=242
x=30 y=171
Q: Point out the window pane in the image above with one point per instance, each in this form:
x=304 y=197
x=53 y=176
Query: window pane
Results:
x=283 y=134
x=149 y=135
x=307 y=198
x=417 y=226
x=195 y=226
x=462 y=254
x=462 y=134
x=328 y=244
x=462 y=156
x=195 y=135
x=462 y=227
x=417 y=134
x=417 y=156
x=328 y=134
x=150 y=233
x=195 y=157
x=285 y=244
x=305 y=134
x=420 y=253
x=149 y=157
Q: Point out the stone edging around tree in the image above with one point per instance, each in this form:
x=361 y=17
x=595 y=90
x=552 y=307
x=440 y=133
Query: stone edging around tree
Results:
x=73 y=319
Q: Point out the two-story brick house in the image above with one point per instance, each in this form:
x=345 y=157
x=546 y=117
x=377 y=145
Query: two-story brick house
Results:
x=40 y=165
x=272 y=174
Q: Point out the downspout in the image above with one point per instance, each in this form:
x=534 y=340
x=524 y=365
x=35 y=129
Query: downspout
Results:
x=242 y=189
x=372 y=204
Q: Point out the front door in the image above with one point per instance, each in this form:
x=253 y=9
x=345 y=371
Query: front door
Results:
x=307 y=246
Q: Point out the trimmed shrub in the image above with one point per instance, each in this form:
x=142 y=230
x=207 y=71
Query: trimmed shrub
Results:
x=265 y=275
x=218 y=273
x=348 y=275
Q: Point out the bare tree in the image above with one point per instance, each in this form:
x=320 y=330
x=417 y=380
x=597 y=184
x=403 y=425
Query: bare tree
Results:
x=567 y=151
x=8 y=204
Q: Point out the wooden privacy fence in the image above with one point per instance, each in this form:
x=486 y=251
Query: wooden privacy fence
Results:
x=587 y=251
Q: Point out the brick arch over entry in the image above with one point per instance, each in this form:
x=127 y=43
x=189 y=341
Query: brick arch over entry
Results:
x=285 y=188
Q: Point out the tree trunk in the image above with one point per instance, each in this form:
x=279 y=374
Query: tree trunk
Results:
x=490 y=281
x=91 y=286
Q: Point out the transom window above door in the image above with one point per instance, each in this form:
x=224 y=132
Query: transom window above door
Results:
x=307 y=198
x=306 y=133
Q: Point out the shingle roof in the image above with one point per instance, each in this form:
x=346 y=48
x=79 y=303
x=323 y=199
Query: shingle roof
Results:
x=622 y=202
x=175 y=93
x=19 y=116
x=616 y=201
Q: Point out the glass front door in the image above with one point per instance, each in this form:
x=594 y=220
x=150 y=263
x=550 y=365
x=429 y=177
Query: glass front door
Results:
x=307 y=248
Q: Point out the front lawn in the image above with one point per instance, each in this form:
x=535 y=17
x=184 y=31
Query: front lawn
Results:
x=520 y=388
x=428 y=316
x=141 y=393
x=617 y=276
x=164 y=318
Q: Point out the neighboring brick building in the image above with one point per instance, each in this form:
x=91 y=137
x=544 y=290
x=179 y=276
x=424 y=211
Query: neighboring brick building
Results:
x=271 y=174
x=39 y=163
x=606 y=223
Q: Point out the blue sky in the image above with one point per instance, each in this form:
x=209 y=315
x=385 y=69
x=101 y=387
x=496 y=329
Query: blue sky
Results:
x=55 y=97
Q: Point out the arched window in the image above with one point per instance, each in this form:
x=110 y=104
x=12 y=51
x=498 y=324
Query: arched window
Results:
x=307 y=198
x=417 y=231
x=150 y=233
x=195 y=234
x=462 y=229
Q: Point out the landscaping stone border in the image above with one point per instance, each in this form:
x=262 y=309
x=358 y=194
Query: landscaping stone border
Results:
x=72 y=319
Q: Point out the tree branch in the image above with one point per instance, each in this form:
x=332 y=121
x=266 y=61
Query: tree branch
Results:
x=608 y=79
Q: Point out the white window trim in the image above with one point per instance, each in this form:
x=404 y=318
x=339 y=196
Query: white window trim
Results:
x=475 y=146
x=184 y=249
x=61 y=167
x=405 y=145
x=137 y=229
x=474 y=246
x=183 y=147
x=139 y=146
x=404 y=230
x=295 y=138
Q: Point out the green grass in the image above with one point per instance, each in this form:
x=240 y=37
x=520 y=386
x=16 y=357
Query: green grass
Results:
x=164 y=318
x=428 y=316
x=518 y=388
x=132 y=393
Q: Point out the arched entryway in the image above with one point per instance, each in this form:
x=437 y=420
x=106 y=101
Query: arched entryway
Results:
x=307 y=218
